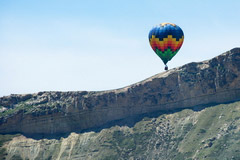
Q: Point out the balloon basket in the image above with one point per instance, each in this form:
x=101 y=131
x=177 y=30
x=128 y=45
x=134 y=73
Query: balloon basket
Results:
x=166 y=68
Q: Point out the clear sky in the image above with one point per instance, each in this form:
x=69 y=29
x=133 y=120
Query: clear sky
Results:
x=75 y=45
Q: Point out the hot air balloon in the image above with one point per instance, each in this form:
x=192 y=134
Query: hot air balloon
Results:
x=166 y=39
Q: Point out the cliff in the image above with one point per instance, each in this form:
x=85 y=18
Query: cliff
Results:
x=193 y=85
x=212 y=133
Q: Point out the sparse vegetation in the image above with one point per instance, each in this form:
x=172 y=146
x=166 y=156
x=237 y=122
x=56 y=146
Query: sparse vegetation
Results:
x=20 y=107
x=3 y=139
x=212 y=133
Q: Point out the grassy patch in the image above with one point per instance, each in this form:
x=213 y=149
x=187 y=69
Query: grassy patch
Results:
x=25 y=108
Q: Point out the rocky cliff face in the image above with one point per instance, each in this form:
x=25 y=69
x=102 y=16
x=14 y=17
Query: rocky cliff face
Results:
x=212 y=133
x=194 y=84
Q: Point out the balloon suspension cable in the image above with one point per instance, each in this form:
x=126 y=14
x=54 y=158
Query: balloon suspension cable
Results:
x=166 y=67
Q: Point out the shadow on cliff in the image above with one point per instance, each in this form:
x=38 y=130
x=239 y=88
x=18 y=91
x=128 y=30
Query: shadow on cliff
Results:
x=130 y=122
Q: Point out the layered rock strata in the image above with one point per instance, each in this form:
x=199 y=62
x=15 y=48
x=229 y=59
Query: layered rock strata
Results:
x=195 y=84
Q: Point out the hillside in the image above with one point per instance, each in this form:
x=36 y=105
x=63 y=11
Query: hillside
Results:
x=189 y=112
x=212 y=133
x=195 y=84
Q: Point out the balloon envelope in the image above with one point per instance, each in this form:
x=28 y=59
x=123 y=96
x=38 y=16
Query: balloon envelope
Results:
x=166 y=39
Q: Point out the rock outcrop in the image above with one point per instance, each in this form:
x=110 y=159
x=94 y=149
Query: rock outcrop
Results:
x=212 y=133
x=195 y=84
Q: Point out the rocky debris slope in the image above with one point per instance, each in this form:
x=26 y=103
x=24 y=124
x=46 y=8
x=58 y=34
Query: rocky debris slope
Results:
x=209 y=82
x=212 y=133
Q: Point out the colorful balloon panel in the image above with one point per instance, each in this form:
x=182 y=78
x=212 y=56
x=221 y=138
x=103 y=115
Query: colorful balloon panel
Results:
x=166 y=39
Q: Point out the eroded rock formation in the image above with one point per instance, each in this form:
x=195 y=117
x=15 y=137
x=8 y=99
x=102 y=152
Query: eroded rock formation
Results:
x=192 y=85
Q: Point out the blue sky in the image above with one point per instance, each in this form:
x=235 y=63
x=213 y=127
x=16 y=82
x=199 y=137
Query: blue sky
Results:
x=74 y=45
